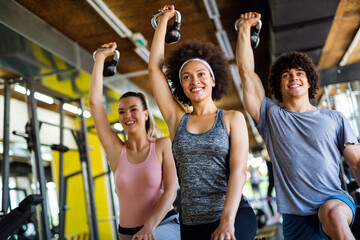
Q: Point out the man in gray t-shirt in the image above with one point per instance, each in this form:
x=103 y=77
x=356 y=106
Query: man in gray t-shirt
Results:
x=305 y=143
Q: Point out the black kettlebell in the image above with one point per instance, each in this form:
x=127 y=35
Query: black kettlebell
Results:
x=172 y=32
x=255 y=31
x=109 y=66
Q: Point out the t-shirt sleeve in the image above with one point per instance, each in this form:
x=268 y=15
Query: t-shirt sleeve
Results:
x=263 y=125
x=346 y=133
x=262 y=121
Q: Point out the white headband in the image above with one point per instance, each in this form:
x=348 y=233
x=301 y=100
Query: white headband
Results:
x=199 y=60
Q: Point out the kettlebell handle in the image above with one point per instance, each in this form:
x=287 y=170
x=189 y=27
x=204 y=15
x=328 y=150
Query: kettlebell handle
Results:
x=109 y=67
x=116 y=55
x=177 y=18
x=254 y=38
x=258 y=25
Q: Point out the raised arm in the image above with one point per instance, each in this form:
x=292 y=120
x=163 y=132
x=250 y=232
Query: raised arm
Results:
x=108 y=138
x=253 y=90
x=239 y=143
x=169 y=107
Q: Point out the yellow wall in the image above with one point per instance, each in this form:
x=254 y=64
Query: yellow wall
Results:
x=102 y=188
x=76 y=215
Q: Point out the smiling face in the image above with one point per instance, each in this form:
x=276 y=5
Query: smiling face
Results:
x=294 y=84
x=197 y=81
x=132 y=115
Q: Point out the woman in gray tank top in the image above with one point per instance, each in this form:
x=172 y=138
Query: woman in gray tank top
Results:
x=210 y=145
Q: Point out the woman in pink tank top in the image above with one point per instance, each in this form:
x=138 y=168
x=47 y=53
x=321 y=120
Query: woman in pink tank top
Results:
x=143 y=165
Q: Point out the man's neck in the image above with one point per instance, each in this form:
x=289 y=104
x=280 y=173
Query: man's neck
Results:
x=299 y=105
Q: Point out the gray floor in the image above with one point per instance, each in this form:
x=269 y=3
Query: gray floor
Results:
x=278 y=234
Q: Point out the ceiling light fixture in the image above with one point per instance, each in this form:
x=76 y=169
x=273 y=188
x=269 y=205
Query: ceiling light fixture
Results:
x=351 y=48
x=74 y=109
x=139 y=40
x=71 y=108
x=221 y=35
x=211 y=9
x=44 y=98
x=144 y=53
x=115 y=23
x=49 y=100
x=236 y=79
x=119 y=27
x=38 y=96
x=224 y=42
x=118 y=126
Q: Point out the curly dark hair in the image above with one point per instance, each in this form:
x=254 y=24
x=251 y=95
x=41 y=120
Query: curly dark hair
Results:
x=290 y=60
x=206 y=51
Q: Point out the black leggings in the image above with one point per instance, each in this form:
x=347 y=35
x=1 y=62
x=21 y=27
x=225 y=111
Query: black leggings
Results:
x=245 y=227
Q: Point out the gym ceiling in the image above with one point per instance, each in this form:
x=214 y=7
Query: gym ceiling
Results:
x=39 y=38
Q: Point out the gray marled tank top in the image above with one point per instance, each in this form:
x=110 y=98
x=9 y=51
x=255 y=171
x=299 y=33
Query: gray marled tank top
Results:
x=202 y=162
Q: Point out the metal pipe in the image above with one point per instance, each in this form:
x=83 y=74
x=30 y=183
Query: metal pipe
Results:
x=88 y=179
x=110 y=179
x=326 y=91
x=61 y=126
x=357 y=120
x=34 y=123
x=6 y=147
x=62 y=200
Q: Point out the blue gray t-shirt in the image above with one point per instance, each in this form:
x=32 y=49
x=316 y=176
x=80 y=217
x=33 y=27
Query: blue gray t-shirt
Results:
x=306 y=150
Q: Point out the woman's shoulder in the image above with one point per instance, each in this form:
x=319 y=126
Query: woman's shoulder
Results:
x=162 y=147
x=233 y=119
x=162 y=142
x=233 y=115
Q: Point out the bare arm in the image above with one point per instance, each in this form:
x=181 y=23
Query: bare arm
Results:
x=169 y=107
x=168 y=197
x=239 y=143
x=352 y=157
x=253 y=90
x=108 y=138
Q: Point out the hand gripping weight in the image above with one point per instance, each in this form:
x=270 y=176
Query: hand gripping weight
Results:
x=254 y=38
x=109 y=67
x=172 y=32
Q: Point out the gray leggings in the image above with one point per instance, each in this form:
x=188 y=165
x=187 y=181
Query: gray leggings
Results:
x=169 y=228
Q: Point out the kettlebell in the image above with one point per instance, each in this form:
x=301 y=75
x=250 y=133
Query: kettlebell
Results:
x=254 y=38
x=109 y=66
x=172 y=32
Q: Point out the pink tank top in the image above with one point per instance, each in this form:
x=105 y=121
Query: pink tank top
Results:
x=138 y=187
